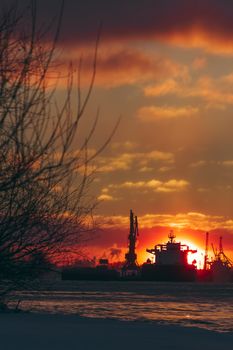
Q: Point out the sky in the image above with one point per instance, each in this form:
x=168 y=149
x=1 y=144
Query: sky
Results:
x=166 y=68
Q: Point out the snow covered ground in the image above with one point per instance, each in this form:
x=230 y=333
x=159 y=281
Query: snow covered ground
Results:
x=28 y=331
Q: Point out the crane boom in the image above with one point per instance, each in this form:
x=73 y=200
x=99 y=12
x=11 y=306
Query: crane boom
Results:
x=131 y=256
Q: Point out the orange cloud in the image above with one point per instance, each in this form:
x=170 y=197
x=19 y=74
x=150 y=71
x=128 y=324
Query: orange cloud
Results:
x=190 y=220
x=169 y=186
x=118 y=65
x=227 y=163
x=166 y=87
x=105 y=197
x=153 y=113
x=198 y=164
x=212 y=92
x=199 y=63
x=201 y=163
x=125 y=161
x=200 y=37
x=193 y=23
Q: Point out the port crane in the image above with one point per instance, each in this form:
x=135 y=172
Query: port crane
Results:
x=221 y=256
x=131 y=256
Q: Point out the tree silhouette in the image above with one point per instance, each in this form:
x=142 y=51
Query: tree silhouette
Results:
x=45 y=206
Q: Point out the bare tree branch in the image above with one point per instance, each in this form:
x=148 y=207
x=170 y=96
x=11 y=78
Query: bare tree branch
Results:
x=45 y=204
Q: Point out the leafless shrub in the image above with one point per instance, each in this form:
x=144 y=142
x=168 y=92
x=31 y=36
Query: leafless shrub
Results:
x=45 y=205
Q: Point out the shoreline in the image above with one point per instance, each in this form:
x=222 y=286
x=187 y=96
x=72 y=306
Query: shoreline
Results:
x=34 y=331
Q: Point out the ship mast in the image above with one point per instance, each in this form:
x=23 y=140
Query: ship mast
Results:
x=171 y=236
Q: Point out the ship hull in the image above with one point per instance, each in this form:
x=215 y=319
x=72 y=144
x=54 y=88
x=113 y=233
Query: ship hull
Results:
x=221 y=273
x=147 y=272
x=171 y=273
x=90 y=274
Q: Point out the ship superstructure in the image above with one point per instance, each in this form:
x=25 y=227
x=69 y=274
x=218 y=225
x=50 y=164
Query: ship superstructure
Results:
x=170 y=262
x=171 y=253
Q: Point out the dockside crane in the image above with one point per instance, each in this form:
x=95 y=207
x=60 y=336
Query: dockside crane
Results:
x=131 y=256
x=221 y=256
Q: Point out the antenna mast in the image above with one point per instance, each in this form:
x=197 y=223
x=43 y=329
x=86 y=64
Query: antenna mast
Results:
x=206 y=250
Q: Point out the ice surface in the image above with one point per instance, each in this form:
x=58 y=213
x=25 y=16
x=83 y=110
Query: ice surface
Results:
x=205 y=306
x=28 y=331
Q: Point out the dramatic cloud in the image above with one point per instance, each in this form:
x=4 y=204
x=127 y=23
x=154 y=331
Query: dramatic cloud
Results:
x=125 y=161
x=166 y=67
x=212 y=92
x=109 y=164
x=201 y=163
x=105 y=197
x=193 y=220
x=119 y=65
x=164 y=88
x=193 y=23
x=153 y=113
x=169 y=186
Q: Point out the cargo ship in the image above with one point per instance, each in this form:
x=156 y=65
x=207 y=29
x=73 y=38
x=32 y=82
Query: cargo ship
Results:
x=170 y=262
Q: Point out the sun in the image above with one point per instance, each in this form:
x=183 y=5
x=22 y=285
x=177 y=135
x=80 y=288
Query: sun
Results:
x=198 y=256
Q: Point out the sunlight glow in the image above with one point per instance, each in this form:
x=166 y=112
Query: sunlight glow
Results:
x=198 y=256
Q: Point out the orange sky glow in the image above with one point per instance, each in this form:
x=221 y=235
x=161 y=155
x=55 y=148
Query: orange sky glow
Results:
x=166 y=67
